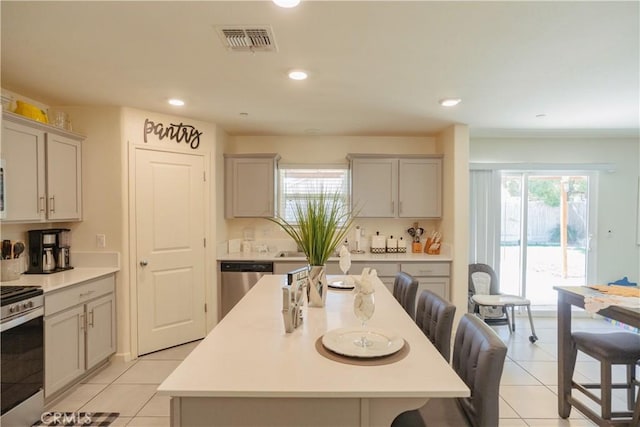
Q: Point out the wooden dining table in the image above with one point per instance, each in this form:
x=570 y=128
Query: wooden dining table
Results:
x=249 y=372
x=569 y=296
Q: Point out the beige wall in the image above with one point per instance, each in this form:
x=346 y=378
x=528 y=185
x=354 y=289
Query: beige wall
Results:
x=329 y=149
x=101 y=176
x=454 y=144
x=222 y=235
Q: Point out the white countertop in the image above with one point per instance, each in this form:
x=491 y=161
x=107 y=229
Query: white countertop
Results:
x=249 y=355
x=366 y=257
x=55 y=281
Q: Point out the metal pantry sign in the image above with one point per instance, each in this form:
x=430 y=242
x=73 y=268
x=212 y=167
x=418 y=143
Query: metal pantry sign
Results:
x=176 y=132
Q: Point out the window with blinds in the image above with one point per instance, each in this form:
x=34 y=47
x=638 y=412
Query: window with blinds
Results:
x=299 y=183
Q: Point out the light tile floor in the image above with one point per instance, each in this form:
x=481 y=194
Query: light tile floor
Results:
x=528 y=389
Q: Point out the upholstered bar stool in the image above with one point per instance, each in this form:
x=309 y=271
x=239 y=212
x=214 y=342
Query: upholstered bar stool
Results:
x=478 y=359
x=405 y=288
x=618 y=348
x=434 y=316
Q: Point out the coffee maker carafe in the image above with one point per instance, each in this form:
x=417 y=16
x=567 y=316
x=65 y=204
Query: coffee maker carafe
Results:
x=48 y=250
x=48 y=262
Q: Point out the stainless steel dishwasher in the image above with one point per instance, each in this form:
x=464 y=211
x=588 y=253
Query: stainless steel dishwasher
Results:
x=237 y=277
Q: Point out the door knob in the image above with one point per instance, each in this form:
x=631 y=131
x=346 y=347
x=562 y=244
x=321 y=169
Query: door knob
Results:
x=144 y=263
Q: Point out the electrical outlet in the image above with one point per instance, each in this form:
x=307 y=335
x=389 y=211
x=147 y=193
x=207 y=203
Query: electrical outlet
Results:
x=101 y=240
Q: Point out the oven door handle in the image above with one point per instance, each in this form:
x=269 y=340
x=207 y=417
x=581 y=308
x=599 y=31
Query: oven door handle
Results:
x=23 y=318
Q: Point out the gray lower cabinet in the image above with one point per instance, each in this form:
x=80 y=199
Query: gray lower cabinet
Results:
x=431 y=275
x=79 y=331
x=283 y=267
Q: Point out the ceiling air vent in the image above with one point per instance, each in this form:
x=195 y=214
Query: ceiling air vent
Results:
x=248 y=39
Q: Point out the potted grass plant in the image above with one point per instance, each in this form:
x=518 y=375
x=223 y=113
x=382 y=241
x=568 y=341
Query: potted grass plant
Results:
x=319 y=225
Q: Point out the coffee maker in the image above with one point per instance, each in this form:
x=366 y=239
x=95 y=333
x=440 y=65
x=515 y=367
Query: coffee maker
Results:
x=49 y=250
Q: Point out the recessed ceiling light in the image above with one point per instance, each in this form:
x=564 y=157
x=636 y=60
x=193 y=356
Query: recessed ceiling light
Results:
x=297 y=75
x=176 y=102
x=450 y=102
x=287 y=3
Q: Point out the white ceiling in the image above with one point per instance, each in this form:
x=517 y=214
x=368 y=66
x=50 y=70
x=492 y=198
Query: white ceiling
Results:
x=376 y=67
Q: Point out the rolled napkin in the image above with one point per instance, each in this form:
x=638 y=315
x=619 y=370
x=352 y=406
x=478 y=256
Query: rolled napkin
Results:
x=345 y=259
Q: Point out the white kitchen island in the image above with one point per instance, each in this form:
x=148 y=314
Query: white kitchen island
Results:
x=249 y=372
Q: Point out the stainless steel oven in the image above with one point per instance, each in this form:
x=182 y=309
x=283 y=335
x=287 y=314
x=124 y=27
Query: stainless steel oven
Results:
x=22 y=355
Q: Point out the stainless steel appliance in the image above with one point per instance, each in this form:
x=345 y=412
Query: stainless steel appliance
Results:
x=22 y=355
x=49 y=250
x=237 y=277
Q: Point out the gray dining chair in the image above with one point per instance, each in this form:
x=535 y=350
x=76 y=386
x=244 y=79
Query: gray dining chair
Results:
x=434 y=316
x=478 y=358
x=405 y=288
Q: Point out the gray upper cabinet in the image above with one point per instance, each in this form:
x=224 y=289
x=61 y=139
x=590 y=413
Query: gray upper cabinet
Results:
x=64 y=178
x=392 y=187
x=374 y=187
x=250 y=185
x=420 y=188
x=42 y=171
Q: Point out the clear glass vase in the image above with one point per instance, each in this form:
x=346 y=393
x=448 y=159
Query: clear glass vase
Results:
x=363 y=308
x=317 y=286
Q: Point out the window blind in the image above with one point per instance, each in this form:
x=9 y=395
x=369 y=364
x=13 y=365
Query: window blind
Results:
x=300 y=183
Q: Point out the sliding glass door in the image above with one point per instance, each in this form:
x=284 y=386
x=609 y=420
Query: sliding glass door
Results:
x=544 y=233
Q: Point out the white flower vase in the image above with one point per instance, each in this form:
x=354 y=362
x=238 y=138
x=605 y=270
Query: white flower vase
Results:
x=317 y=286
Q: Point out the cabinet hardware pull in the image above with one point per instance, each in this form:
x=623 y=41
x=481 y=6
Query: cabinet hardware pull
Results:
x=426 y=271
x=52 y=208
x=82 y=322
x=41 y=203
x=84 y=294
x=393 y=206
x=399 y=207
x=91 y=318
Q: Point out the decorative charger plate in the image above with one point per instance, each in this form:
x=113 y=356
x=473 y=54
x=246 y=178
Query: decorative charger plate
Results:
x=343 y=341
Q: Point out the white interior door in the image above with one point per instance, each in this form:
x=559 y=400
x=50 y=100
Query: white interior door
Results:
x=170 y=249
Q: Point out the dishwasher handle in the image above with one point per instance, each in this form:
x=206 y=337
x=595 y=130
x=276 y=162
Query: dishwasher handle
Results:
x=246 y=267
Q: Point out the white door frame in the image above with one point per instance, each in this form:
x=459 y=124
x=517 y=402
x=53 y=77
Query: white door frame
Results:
x=591 y=246
x=132 y=233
